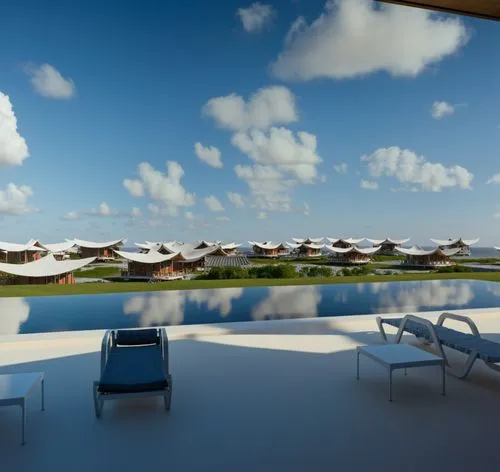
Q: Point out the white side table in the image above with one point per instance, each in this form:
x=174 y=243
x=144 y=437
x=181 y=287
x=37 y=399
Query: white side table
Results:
x=14 y=390
x=401 y=356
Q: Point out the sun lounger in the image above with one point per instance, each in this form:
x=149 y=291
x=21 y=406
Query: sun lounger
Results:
x=134 y=363
x=471 y=344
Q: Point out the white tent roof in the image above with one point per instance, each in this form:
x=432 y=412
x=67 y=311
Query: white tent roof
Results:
x=190 y=254
x=60 y=247
x=310 y=246
x=96 y=245
x=378 y=242
x=266 y=244
x=29 y=246
x=230 y=246
x=449 y=242
x=45 y=267
x=303 y=240
x=345 y=250
x=346 y=240
x=152 y=257
x=497 y=248
x=414 y=251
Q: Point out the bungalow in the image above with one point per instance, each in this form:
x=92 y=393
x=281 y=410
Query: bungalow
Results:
x=204 y=244
x=47 y=270
x=22 y=253
x=344 y=243
x=438 y=257
x=190 y=259
x=351 y=255
x=387 y=245
x=150 y=265
x=268 y=249
x=306 y=249
x=454 y=243
x=101 y=251
x=230 y=248
x=308 y=240
x=60 y=250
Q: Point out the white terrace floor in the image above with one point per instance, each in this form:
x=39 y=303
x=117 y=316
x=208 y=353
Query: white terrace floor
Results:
x=280 y=396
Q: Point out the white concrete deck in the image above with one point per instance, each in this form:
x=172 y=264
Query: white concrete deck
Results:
x=261 y=396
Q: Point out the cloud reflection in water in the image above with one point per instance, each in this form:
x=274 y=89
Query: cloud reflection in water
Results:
x=13 y=313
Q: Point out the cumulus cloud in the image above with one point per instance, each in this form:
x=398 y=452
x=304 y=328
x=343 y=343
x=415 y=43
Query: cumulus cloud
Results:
x=14 y=200
x=368 y=185
x=262 y=215
x=223 y=218
x=48 y=82
x=268 y=106
x=165 y=189
x=13 y=147
x=306 y=209
x=71 y=216
x=136 y=212
x=209 y=155
x=354 y=38
x=189 y=215
x=236 y=199
x=256 y=17
x=494 y=179
x=281 y=148
x=415 y=171
x=341 y=168
x=213 y=204
x=441 y=109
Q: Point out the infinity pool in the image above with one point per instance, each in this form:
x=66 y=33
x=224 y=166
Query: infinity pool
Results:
x=127 y=310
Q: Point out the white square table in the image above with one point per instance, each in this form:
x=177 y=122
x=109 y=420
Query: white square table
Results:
x=401 y=356
x=15 y=388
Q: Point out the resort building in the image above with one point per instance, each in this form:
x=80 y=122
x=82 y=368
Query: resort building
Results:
x=150 y=265
x=22 y=253
x=438 y=257
x=456 y=243
x=60 y=251
x=148 y=246
x=191 y=259
x=351 y=255
x=388 y=245
x=306 y=249
x=46 y=270
x=344 y=243
x=101 y=251
x=268 y=249
x=204 y=244
x=308 y=240
x=223 y=261
x=230 y=248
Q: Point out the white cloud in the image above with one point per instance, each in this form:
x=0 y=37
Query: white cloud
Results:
x=189 y=215
x=223 y=218
x=136 y=212
x=368 y=185
x=353 y=38
x=255 y=17
x=268 y=106
x=281 y=148
x=262 y=215
x=306 y=209
x=166 y=189
x=415 y=171
x=441 y=109
x=13 y=147
x=213 y=204
x=210 y=155
x=135 y=187
x=236 y=199
x=49 y=83
x=71 y=216
x=494 y=179
x=341 y=168
x=14 y=199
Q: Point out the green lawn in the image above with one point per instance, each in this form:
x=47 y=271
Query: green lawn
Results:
x=91 y=288
x=98 y=272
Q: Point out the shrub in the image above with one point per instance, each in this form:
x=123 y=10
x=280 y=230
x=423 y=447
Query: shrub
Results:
x=356 y=271
x=316 y=271
x=277 y=271
x=454 y=268
x=216 y=273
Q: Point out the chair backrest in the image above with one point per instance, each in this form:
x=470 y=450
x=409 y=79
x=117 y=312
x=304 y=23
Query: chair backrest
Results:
x=137 y=337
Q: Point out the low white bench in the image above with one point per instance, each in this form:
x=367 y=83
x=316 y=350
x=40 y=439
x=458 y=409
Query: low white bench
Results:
x=401 y=356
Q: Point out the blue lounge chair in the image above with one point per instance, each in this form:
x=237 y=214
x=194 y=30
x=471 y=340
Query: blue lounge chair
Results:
x=472 y=344
x=134 y=363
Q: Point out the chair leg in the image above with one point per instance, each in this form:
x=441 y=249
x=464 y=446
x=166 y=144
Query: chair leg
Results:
x=168 y=394
x=467 y=367
x=98 y=403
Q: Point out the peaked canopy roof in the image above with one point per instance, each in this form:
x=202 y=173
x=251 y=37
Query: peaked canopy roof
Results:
x=31 y=245
x=451 y=241
x=310 y=245
x=60 y=247
x=97 y=245
x=266 y=244
x=497 y=248
x=190 y=254
x=345 y=250
x=378 y=242
x=152 y=257
x=45 y=267
x=307 y=240
x=347 y=240
x=415 y=251
x=230 y=246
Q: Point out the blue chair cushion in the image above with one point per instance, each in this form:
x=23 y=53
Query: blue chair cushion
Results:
x=134 y=369
x=136 y=337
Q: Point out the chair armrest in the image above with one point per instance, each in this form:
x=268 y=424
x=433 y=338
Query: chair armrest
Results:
x=164 y=349
x=464 y=319
x=105 y=347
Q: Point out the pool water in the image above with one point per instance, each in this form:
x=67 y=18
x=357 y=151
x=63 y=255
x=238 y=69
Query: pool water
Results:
x=142 y=309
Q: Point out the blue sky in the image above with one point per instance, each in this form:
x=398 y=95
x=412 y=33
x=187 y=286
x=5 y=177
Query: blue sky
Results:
x=403 y=102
